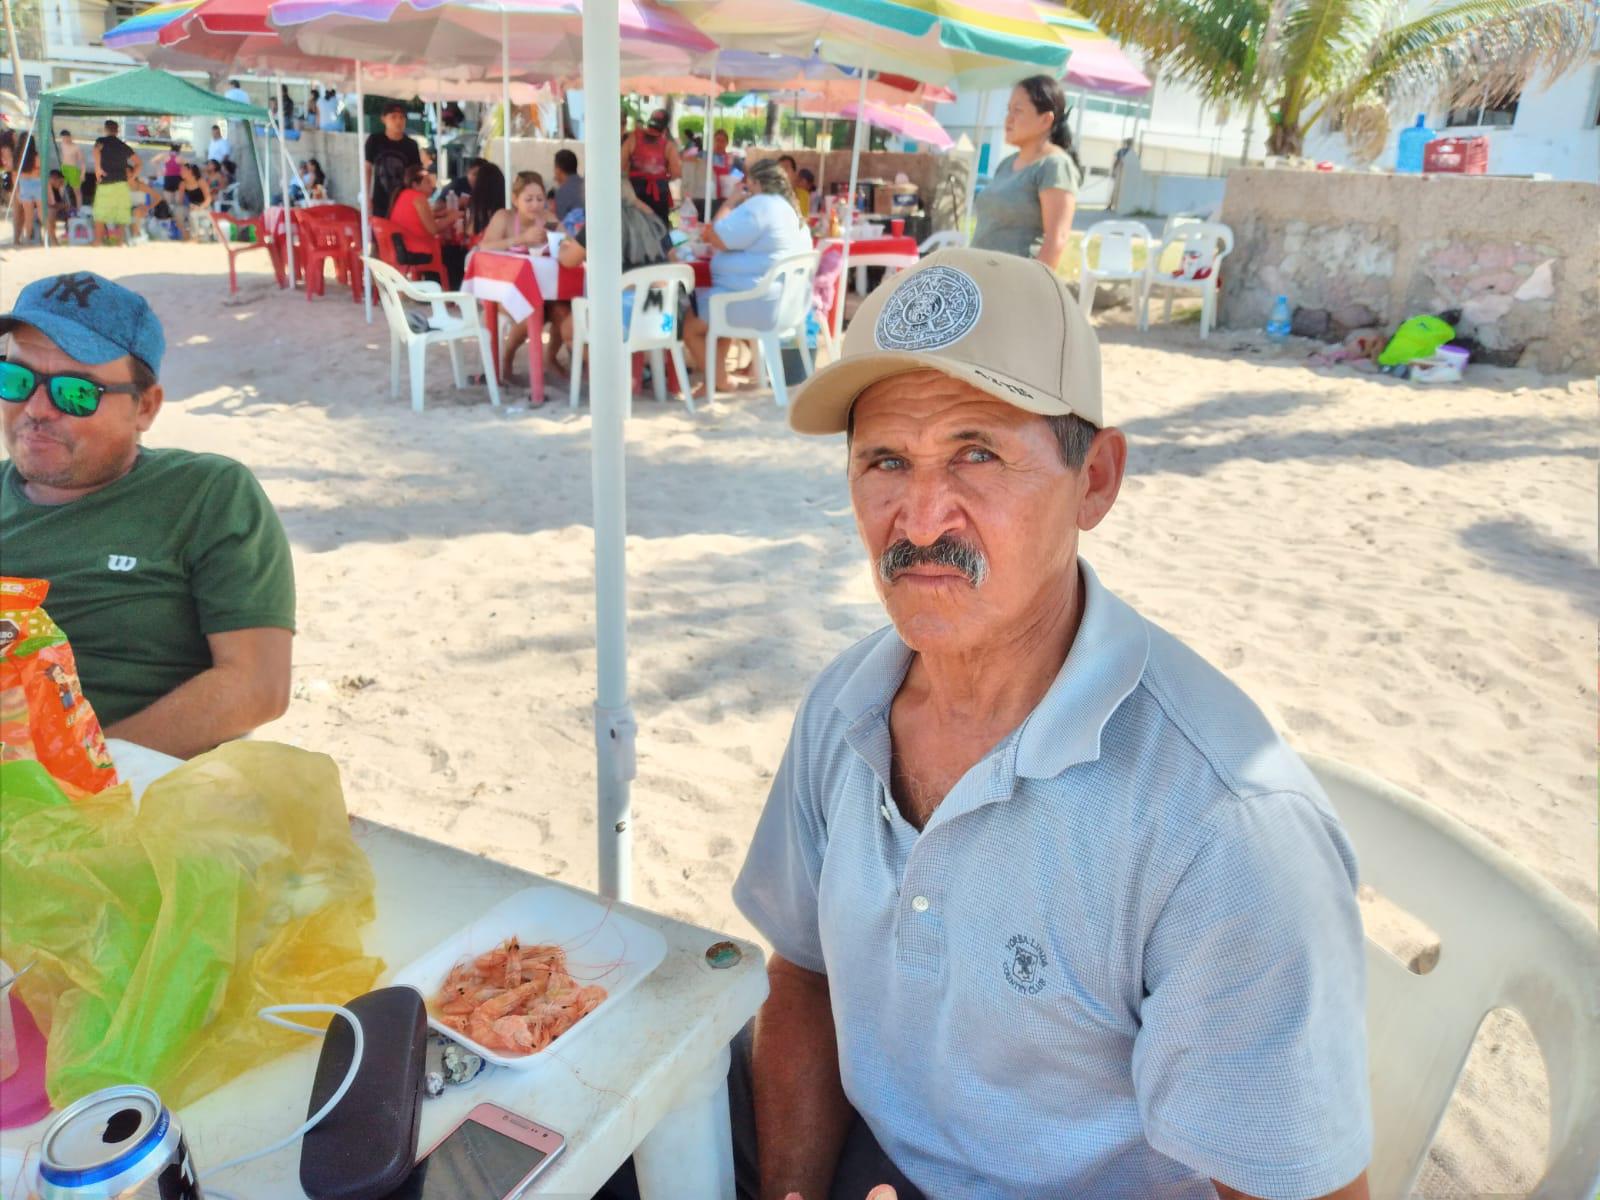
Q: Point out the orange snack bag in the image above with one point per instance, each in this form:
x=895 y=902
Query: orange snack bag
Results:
x=44 y=715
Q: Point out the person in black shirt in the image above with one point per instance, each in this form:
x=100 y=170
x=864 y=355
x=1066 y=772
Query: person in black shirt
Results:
x=388 y=154
x=113 y=206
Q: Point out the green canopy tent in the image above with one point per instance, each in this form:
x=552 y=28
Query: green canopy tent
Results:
x=142 y=92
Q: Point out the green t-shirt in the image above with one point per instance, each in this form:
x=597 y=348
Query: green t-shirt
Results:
x=182 y=546
x=1010 y=217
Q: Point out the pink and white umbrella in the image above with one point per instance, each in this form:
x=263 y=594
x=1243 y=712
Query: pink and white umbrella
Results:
x=904 y=120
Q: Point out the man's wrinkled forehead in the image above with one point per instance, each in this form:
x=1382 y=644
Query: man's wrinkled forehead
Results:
x=928 y=399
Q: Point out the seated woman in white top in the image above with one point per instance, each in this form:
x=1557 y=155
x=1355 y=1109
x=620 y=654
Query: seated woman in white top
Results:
x=757 y=227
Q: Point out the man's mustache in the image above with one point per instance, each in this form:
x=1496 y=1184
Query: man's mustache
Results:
x=948 y=551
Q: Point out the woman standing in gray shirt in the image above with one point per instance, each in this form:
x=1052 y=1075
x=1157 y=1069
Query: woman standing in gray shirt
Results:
x=1027 y=207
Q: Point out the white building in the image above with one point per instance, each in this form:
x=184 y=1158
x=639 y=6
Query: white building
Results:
x=73 y=43
x=1176 y=133
x=1552 y=129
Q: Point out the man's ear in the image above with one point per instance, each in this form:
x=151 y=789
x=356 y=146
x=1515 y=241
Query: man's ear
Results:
x=150 y=401
x=1100 y=478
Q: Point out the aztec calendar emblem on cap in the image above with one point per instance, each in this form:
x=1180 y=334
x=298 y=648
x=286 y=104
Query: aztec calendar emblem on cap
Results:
x=932 y=309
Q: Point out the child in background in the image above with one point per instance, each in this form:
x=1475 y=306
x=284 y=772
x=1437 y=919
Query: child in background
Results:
x=59 y=202
x=171 y=173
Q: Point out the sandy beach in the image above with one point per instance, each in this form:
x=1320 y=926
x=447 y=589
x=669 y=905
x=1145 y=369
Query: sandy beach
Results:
x=1402 y=578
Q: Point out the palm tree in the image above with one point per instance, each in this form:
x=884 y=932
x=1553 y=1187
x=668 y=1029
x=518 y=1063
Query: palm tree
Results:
x=1349 y=60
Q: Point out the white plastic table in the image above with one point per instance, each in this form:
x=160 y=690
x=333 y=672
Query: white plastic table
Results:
x=652 y=1082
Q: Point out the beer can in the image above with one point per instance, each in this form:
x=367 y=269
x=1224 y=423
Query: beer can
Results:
x=120 y=1143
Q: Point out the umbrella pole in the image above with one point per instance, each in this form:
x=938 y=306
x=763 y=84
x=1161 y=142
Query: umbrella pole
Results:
x=366 y=194
x=505 y=97
x=283 y=181
x=614 y=723
x=710 y=137
x=855 y=170
x=977 y=157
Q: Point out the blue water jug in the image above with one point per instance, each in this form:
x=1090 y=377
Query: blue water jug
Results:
x=1278 y=325
x=1413 y=142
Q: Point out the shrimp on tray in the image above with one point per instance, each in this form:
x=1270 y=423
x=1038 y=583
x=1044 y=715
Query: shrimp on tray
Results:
x=514 y=999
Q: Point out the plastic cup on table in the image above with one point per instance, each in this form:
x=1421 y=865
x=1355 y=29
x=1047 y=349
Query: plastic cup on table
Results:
x=897 y=227
x=555 y=237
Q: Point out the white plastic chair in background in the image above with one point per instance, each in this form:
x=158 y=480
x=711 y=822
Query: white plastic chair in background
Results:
x=443 y=326
x=1117 y=261
x=784 y=294
x=1177 y=221
x=943 y=240
x=654 y=330
x=1206 y=244
x=1507 y=940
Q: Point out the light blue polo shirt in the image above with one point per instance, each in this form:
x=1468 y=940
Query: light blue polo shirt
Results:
x=1123 y=957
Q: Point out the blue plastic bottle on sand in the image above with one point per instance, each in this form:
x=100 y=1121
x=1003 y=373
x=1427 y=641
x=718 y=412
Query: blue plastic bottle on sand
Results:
x=1278 y=324
x=1413 y=141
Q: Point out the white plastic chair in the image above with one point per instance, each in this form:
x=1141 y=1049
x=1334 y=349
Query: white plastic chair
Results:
x=1116 y=263
x=1213 y=242
x=1176 y=221
x=942 y=240
x=786 y=291
x=648 y=332
x=1507 y=940
x=443 y=326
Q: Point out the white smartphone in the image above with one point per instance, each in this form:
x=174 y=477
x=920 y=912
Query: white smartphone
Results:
x=492 y=1155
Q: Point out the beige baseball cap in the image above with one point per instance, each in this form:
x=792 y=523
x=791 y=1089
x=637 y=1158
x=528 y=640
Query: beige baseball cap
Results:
x=1002 y=323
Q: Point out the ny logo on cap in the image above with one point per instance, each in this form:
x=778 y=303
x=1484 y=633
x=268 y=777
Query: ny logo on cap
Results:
x=79 y=287
x=930 y=310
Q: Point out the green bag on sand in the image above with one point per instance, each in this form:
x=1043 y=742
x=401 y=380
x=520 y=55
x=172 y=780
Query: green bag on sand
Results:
x=158 y=929
x=1417 y=337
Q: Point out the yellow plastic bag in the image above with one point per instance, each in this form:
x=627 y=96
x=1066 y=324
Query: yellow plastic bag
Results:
x=158 y=931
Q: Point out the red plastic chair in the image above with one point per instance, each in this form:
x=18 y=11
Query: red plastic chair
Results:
x=386 y=234
x=330 y=237
x=225 y=224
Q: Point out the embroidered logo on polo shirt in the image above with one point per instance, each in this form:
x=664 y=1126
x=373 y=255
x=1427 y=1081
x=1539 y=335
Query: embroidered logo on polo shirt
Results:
x=121 y=562
x=1025 y=964
x=929 y=311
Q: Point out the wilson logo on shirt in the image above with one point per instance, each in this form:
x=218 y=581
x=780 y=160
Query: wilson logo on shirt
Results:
x=1025 y=964
x=122 y=562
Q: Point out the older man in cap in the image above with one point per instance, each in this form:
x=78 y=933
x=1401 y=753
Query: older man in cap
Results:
x=1054 y=911
x=169 y=571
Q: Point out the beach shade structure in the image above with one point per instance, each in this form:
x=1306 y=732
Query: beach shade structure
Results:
x=1097 y=63
x=904 y=120
x=542 y=39
x=142 y=92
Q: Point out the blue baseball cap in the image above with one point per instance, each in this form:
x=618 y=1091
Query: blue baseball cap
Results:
x=90 y=318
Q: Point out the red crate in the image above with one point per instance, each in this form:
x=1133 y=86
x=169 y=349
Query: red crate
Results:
x=1456 y=156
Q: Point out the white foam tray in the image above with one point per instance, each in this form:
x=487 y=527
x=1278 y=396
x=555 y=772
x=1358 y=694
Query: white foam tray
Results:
x=603 y=946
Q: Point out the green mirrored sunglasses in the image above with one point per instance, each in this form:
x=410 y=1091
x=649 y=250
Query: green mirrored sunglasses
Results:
x=72 y=394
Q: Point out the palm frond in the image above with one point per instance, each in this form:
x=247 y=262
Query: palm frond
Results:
x=1480 y=50
x=1212 y=45
x=1323 y=44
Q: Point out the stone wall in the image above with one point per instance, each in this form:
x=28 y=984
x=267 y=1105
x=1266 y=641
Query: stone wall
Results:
x=1519 y=258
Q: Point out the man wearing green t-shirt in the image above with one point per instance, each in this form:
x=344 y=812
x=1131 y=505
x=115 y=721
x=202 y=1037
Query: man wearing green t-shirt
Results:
x=169 y=571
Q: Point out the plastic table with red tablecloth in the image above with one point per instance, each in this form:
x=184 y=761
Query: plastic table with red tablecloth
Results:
x=522 y=284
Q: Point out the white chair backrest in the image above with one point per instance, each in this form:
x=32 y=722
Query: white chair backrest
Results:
x=1507 y=939
x=1177 y=220
x=1201 y=245
x=389 y=283
x=1117 y=240
x=789 y=285
x=942 y=240
x=655 y=296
